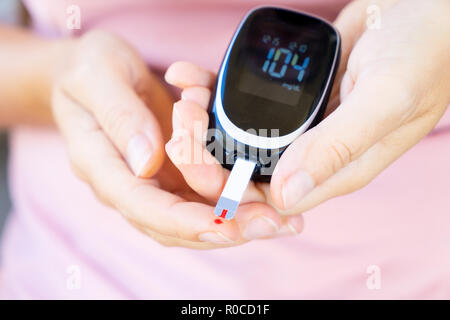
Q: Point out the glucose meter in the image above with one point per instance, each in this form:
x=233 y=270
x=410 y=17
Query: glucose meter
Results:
x=273 y=85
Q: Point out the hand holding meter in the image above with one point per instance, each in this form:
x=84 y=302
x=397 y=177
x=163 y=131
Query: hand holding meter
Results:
x=272 y=86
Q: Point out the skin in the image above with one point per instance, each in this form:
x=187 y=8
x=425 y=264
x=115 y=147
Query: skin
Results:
x=116 y=119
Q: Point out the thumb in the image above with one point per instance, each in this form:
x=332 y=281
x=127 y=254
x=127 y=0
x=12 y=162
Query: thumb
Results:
x=374 y=108
x=351 y=23
x=121 y=113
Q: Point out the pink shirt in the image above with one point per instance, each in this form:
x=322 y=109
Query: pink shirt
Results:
x=389 y=240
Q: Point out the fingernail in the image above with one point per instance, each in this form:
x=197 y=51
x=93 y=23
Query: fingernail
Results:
x=296 y=187
x=177 y=122
x=260 y=227
x=292 y=229
x=175 y=153
x=214 y=237
x=295 y=223
x=173 y=141
x=287 y=229
x=186 y=95
x=139 y=152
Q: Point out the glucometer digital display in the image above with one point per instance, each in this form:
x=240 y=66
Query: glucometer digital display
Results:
x=274 y=64
x=273 y=85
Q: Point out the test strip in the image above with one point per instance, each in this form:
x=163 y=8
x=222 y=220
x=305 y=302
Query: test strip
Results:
x=234 y=188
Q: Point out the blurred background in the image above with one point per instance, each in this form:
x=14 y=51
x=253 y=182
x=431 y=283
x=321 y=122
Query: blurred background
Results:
x=10 y=13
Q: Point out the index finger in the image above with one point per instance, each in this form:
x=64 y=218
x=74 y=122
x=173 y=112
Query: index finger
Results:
x=183 y=74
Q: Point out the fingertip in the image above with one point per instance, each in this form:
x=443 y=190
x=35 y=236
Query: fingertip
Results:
x=175 y=148
x=152 y=167
x=190 y=116
x=291 y=179
x=224 y=228
x=144 y=154
x=154 y=163
x=200 y=169
x=258 y=220
x=295 y=223
x=291 y=226
x=275 y=189
x=172 y=73
x=184 y=74
x=199 y=95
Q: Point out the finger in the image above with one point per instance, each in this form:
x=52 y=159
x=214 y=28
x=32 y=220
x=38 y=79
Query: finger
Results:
x=347 y=84
x=351 y=24
x=207 y=177
x=187 y=150
x=364 y=169
x=190 y=117
x=261 y=221
x=362 y=119
x=199 y=95
x=185 y=74
x=201 y=170
x=291 y=225
x=177 y=242
x=123 y=116
x=137 y=199
x=258 y=221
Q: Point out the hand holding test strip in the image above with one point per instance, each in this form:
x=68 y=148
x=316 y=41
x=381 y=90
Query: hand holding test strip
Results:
x=266 y=83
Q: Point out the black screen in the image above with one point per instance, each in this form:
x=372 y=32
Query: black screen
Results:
x=281 y=61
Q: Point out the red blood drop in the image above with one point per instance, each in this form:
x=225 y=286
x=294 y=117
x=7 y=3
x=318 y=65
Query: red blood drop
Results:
x=218 y=221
